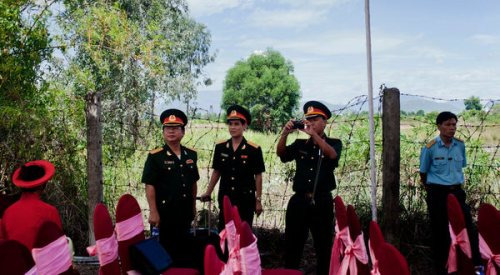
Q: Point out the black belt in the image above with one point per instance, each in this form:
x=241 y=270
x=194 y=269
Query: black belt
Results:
x=444 y=187
x=309 y=195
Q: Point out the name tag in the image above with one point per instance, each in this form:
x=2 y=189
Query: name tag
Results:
x=169 y=162
x=189 y=161
x=244 y=156
x=224 y=155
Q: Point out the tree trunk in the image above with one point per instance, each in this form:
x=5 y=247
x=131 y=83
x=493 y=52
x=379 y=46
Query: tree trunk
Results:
x=94 y=156
x=391 y=159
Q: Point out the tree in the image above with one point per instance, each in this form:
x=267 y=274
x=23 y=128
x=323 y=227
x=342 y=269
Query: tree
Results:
x=125 y=55
x=473 y=103
x=265 y=84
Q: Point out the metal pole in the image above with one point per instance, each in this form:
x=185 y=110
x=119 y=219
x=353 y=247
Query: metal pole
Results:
x=373 y=165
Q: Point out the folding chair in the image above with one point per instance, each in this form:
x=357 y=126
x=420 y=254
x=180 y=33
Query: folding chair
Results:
x=106 y=247
x=51 y=251
x=15 y=258
x=459 y=256
x=488 y=226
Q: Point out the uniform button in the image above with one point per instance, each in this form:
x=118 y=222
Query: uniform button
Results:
x=234 y=157
x=180 y=165
x=232 y=188
x=223 y=159
x=233 y=169
x=312 y=157
x=183 y=185
x=182 y=175
x=232 y=178
x=184 y=195
x=309 y=180
x=302 y=157
x=244 y=162
x=311 y=169
x=163 y=201
x=168 y=168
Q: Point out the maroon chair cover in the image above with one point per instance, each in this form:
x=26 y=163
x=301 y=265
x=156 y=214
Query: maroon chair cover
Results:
x=236 y=217
x=228 y=209
x=48 y=233
x=340 y=229
x=375 y=241
x=457 y=223
x=15 y=258
x=488 y=226
x=103 y=229
x=355 y=231
x=126 y=208
x=391 y=261
x=212 y=264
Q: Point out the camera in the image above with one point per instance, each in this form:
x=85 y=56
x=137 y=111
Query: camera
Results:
x=298 y=124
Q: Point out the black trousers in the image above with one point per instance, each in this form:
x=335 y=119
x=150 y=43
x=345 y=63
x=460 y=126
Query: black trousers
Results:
x=437 y=206
x=245 y=203
x=301 y=217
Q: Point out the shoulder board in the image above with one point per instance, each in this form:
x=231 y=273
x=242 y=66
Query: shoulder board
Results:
x=457 y=139
x=221 y=141
x=157 y=150
x=430 y=143
x=191 y=149
x=252 y=144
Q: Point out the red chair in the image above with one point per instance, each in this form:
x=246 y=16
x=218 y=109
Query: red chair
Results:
x=51 y=251
x=212 y=264
x=459 y=256
x=390 y=261
x=488 y=226
x=356 y=257
x=341 y=235
x=129 y=228
x=106 y=247
x=375 y=241
x=15 y=258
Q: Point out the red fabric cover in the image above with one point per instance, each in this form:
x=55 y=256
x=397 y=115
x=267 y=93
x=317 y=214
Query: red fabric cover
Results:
x=340 y=212
x=376 y=236
x=126 y=208
x=48 y=233
x=488 y=225
x=228 y=209
x=246 y=235
x=391 y=261
x=15 y=258
x=181 y=271
x=48 y=168
x=355 y=231
x=103 y=228
x=457 y=222
x=22 y=220
x=236 y=218
x=212 y=264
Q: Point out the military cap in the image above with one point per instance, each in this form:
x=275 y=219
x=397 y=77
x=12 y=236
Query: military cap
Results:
x=240 y=113
x=33 y=174
x=316 y=108
x=173 y=117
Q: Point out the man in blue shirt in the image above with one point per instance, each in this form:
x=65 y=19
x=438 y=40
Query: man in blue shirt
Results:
x=441 y=163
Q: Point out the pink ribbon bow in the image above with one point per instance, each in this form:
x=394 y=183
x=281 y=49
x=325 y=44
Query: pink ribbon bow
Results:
x=54 y=258
x=250 y=259
x=129 y=228
x=106 y=250
x=488 y=255
x=353 y=251
x=461 y=240
x=341 y=237
x=374 y=270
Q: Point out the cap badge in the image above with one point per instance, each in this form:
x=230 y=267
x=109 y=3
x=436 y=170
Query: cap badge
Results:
x=310 y=109
x=171 y=118
x=233 y=113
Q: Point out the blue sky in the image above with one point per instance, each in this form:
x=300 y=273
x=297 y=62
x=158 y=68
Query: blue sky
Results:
x=441 y=48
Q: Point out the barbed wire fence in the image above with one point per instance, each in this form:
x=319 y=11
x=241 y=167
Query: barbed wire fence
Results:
x=350 y=124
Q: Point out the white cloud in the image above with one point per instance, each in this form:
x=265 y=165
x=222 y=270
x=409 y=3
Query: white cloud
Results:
x=286 y=18
x=486 y=39
x=210 y=7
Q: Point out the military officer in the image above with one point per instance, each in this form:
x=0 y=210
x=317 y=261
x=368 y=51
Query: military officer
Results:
x=239 y=165
x=311 y=207
x=170 y=176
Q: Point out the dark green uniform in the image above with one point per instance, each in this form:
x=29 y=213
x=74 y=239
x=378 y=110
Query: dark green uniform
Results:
x=173 y=179
x=238 y=169
x=302 y=215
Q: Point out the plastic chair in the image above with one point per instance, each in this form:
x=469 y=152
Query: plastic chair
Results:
x=488 y=226
x=15 y=258
x=459 y=256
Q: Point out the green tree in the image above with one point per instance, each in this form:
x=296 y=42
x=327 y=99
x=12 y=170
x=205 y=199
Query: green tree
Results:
x=125 y=56
x=473 y=103
x=265 y=84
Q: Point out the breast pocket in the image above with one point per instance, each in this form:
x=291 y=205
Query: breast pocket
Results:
x=440 y=165
x=458 y=161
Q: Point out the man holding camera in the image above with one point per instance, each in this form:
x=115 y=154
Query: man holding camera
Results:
x=311 y=207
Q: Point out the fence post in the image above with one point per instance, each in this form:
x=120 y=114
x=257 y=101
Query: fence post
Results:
x=390 y=161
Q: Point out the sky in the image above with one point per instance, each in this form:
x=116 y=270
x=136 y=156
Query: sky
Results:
x=435 y=48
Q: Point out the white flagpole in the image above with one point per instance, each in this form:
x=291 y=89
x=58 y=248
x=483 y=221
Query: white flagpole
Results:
x=373 y=165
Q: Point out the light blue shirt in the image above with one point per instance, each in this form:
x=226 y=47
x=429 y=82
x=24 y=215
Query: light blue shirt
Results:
x=443 y=165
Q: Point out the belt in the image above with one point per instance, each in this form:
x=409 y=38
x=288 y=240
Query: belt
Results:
x=444 y=187
x=309 y=195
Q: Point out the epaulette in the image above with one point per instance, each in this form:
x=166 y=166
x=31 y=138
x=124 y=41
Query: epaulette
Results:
x=252 y=144
x=154 y=151
x=221 y=141
x=457 y=139
x=430 y=143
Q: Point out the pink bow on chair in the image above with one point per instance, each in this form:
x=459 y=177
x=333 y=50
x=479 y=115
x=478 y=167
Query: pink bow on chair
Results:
x=341 y=238
x=354 y=250
x=488 y=255
x=461 y=240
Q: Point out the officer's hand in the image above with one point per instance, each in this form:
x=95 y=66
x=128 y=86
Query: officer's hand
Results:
x=205 y=197
x=288 y=128
x=258 y=208
x=154 y=218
